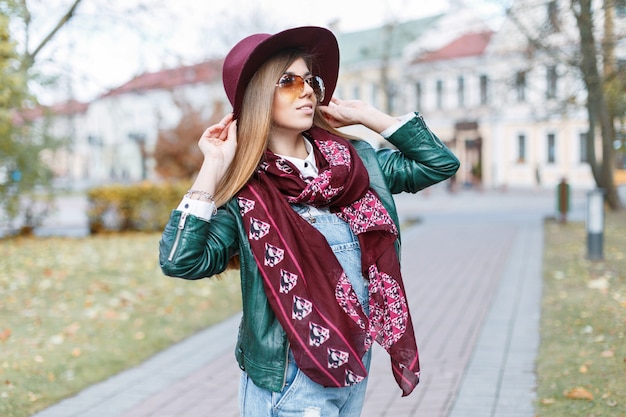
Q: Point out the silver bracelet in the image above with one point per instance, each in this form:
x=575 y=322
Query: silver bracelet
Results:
x=203 y=194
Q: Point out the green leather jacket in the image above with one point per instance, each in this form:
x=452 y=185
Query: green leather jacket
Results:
x=192 y=248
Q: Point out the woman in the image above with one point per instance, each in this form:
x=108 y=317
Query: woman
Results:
x=309 y=217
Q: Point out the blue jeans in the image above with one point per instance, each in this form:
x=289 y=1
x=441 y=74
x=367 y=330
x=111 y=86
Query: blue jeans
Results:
x=301 y=397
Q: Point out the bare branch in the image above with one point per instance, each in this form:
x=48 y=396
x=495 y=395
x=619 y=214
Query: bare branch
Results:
x=30 y=58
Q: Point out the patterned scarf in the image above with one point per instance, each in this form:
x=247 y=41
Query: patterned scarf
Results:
x=307 y=288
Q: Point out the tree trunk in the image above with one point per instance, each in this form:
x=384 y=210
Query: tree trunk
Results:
x=596 y=106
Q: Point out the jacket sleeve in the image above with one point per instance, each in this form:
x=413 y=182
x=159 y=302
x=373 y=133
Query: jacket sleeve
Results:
x=420 y=160
x=193 y=248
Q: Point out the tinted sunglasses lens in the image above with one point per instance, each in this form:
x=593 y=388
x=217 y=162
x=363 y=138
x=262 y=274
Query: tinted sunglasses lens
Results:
x=293 y=83
x=318 y=87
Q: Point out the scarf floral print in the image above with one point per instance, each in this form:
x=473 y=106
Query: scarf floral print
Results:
x=307 y=288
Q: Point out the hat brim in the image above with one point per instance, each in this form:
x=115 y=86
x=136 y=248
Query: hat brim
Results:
x=317 y=41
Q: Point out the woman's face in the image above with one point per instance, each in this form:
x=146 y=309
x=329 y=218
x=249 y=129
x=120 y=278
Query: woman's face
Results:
x=292 y=109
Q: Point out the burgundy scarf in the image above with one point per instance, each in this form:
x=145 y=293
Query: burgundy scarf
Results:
x=307 y=288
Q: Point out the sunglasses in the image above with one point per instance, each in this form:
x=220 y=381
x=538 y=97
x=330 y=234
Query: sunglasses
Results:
x=294 y=85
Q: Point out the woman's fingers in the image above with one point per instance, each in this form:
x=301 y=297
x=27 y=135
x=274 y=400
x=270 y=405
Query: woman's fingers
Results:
x=227 y=119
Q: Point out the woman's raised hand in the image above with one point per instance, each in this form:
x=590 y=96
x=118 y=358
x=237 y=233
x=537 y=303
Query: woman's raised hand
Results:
x=340 y=113
x=219 y=142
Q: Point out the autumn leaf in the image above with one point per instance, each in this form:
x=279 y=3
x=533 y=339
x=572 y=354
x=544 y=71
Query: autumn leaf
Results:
x=72 y=329
x=579 y=393
x=607 y=354
x=5 y=334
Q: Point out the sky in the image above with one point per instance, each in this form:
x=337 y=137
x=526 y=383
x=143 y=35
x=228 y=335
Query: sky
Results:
x=108 y=42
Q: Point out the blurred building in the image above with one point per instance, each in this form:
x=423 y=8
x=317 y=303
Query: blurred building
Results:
x=112 y=138
x=512 y=111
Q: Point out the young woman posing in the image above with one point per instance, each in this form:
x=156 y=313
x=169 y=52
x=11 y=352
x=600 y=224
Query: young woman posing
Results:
x=308 y=216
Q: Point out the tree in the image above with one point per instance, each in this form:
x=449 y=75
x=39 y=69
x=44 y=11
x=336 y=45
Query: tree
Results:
x=599 y=108
x=594 y=59
x=25 y=178
x=176 y=152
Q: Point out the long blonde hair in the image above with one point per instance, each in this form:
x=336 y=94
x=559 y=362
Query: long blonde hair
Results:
x=255 y=122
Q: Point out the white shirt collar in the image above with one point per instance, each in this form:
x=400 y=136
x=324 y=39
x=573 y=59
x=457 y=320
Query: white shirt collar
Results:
x=307 y=166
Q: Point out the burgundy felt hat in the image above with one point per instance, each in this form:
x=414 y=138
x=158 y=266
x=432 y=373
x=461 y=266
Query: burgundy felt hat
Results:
x=250 y=53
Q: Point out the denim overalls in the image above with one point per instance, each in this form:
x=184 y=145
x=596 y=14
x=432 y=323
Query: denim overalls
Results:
x=302 y=397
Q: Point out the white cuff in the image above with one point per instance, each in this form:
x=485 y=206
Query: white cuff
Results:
x=199 y=208
x=401 y=122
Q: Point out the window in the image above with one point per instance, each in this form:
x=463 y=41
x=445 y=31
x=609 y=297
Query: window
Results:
x=521 y=148
x=551 y=80
x=584 y=157
x=374 y=92
x=621 y=65
x=439 y=94
x=620 y=8
x=461 y=91
x=551 y=148
x=418 y=95
x=484 y=87
x=392 y=90
x=520 y=86
x=553 y=16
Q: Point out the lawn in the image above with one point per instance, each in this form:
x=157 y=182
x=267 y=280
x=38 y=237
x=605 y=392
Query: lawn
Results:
x=581 y=365
x=75 y=311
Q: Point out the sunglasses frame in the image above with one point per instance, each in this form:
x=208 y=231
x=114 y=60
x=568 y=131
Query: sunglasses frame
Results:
x=294 y=86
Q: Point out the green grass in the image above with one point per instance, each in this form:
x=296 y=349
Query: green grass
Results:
x=76 y=311
x=582 y=357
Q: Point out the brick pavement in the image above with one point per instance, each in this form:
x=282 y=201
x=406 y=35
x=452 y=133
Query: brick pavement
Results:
x=472 y=270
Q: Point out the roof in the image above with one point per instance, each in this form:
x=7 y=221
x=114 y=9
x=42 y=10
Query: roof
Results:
x=204 y=72
x=66 y=108
x=387 y=41
x=469 y=44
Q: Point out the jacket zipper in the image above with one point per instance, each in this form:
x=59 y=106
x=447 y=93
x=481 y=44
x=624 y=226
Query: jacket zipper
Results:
x=181 y=226
x=432 y=136
x=286 y=366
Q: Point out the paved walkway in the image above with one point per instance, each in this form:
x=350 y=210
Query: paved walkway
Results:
x=472 y=269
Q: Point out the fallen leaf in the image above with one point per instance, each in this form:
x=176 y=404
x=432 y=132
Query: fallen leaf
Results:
x=110 y=314
x=548 y=401
x=583 y=369
x=579 y=393
x=607 y=354
x=72 y=329
x=5 y=334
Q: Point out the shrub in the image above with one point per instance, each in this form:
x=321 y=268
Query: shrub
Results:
x=141 y=207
